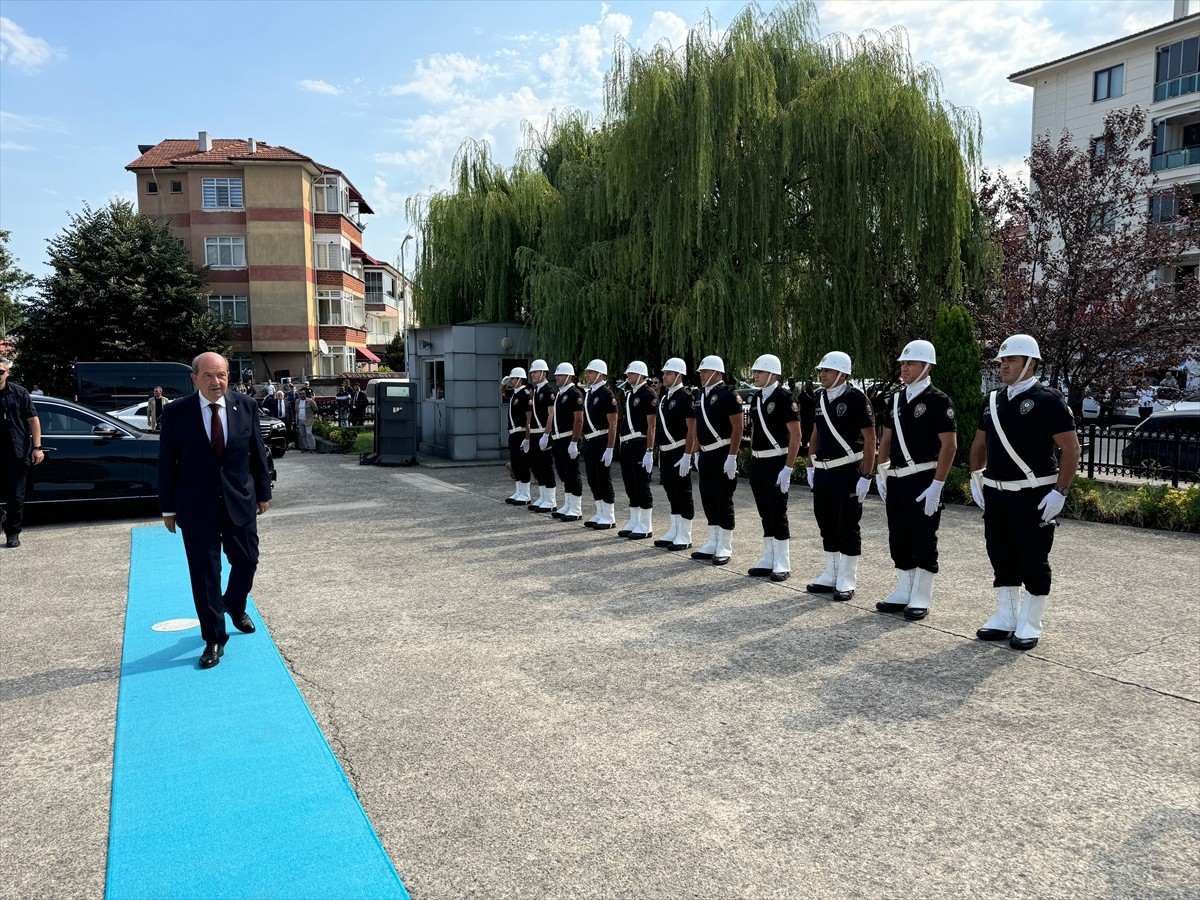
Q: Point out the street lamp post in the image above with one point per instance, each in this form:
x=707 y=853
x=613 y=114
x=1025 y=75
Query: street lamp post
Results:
x=404 y=295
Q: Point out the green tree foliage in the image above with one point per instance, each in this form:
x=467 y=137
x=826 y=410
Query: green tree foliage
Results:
x=14 y=288
x=393 y=357
x=958 y=372
x=758 y=190
x=123 y=288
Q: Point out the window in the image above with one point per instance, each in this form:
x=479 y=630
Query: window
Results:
x=176 y=187
x=1108 y=83
x=241 y=367
x=1177 y=69
x=221 y=193
x=151 y=187
x=59 y=420
x=374 y=283
x=225 y=252
x=331 y=194
x=333 y=254
x=435 y=379
x=1104 y=219
x=334 y=307
x=230 y=308
x=339 y=360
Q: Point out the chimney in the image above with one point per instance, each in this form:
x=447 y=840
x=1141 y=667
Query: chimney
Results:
x=205 y=142
x=1181 y=9
x=253 y=145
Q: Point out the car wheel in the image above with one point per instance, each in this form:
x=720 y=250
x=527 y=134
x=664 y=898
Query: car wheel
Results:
x=277 y=453
x=1152 y=468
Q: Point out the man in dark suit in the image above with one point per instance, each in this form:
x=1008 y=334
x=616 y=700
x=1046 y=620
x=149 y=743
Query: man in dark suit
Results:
x=213 y=480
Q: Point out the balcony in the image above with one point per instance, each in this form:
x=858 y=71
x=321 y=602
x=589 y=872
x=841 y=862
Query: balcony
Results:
x=1174 y=159
x=1176 y=87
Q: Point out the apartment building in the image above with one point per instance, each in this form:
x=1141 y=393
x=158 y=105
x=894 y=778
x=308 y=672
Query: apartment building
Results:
x=283 y=237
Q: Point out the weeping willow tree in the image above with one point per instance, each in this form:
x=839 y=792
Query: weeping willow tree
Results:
x=755 y=191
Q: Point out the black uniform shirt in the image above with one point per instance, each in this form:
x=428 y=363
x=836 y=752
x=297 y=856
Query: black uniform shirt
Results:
x=519 y=403
x=719 y=404
x=566 y=404
x=781 y=407
x=850 y=413
x=1030 y=420
x=543 y=404
x=924 y=420
x=16 y=409
x=639 y=407
x=600 y=402
x=674 y=410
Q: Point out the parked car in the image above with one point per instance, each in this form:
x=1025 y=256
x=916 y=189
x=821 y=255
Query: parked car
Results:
x=1166 y=442
x=274 y=431
x=104 y=385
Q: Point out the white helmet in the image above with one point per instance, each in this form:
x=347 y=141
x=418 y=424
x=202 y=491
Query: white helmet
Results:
x=637 y=367
x=769 y=363
x=565 y=369
x=518 y=372
x=539 y=365
x=836 y=360
x=675 y=364
x=1019 y=345
x=712 y=363
x=599 y=366
x=918 y=351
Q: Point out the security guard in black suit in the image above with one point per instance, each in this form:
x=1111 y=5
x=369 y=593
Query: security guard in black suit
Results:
x=774 y=422
x=519 y=397
x=637 y=456
x=541 y=463
x=719 y=426
x=676 y=437
x=565 y=427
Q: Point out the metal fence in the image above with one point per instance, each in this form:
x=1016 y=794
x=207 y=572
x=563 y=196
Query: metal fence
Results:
x=1172 y=456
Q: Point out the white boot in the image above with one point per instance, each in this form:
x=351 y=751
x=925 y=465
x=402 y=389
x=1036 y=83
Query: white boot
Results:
x=591 y=523
x=574 y=503
x=827 y=581
x=709 y=547
x=643 y=528
x=782 y=569
x=763 y=567
x=565 y=509
x=523 y=488
x=608 y=516
x=724 y=550
x=629 y=527
x=547 y=501
x=901 y=593
x=1029 y=622
x=1004 y=620
x=683 y=537
x=847 y=579
x=515 y=497
x=669 y=538
x=922 y=596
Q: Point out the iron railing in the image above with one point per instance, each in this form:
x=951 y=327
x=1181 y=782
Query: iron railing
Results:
x=1170 y=455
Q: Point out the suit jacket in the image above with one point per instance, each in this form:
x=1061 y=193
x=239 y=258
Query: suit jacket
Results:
x=151 y=419
x=310 y=411
x=192 y=480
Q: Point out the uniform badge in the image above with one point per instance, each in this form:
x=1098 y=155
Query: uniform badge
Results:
x=949 y=412
x=919 y=410
x=671 y=405
x=1026 y=406
x=841 y=409
x=712 y=399
x=795 y=407
x=771 y=407
x=637 y=400
x=579 y=400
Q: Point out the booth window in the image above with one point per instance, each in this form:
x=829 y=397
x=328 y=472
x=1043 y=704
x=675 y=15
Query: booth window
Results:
x=435 y=379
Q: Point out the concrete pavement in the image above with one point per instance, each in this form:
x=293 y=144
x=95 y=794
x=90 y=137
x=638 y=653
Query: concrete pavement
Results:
x=531 y=709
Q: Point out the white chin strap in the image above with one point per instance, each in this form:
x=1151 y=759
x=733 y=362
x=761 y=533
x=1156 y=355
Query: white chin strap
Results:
x=1028 y=363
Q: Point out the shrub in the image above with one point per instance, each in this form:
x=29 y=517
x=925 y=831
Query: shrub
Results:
x=957 y=373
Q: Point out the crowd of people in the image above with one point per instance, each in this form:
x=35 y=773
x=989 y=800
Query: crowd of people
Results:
x=1023 y=459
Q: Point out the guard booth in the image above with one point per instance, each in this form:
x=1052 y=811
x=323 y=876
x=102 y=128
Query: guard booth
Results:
x=395 y=423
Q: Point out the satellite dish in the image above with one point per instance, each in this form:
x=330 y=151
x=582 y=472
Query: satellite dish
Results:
x=323 y=347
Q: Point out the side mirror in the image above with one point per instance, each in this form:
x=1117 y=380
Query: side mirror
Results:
x=107 y=431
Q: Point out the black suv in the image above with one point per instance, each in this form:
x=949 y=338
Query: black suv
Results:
x=1167 y=441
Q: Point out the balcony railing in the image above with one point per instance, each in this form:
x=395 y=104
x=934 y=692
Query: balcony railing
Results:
x=1173 y=159
x=1177 y=87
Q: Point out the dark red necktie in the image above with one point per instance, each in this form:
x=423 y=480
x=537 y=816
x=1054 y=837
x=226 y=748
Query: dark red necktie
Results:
x=218 y=430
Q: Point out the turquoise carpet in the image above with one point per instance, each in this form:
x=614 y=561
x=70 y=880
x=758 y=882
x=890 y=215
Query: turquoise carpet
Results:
x=223 y=785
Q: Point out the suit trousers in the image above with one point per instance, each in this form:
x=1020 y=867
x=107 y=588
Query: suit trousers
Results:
x=518 y=458
x=634 y=474
x=678 y=489
x=912 y=535
x=541 y=463
x=716 y=489
x=837 y=509
x=568 y=469
x=772 y=503
x=599 y=476
x=203 y=548
x=13 y=475
x=305 y=440
x=1018 y=541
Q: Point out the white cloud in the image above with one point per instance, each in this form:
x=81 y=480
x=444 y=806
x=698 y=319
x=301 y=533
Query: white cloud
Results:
x=579 y=57
x=13 y=145
x=13 y=122
x=24 y=51
x=384 y=201
x=434 y=79
x=320 y=87
x=664 y=26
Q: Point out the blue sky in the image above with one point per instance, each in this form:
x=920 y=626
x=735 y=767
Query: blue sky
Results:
x=387 y=91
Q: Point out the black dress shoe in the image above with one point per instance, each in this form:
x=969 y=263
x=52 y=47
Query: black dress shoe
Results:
x=758 y=573
x=1022 y=643
x=780 y=576
x=589 y=524
x=993 y=634
x=635 y=536
x=914 y=615
x=242 y=623
x=696 y=554
x=513 y=501
x=13 y=541
x=211 y=656
x=625 y=532
x=678 y=546
x=842 y=596
x=556 y=514
x=600 y=526
x=815 y=588
x=565 y=518
x=884 y=606
x=540 y=509
x=721 y=560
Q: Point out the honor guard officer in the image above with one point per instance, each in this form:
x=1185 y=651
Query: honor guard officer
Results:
x=599 y=441
x=541 y=463
x=915 y=456
x=637 y=454
x=719 y=424
x=520 y=403
x=774 y=444
x=842 y=457
x=564 y=428
x=1021 y=487
x=676 y=437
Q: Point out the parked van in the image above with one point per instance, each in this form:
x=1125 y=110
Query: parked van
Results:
x=111 y=385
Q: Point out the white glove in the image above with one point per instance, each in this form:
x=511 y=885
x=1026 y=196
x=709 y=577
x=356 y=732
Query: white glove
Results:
x=811 y=472
x=860 y=489
x=684 y=465
x=648 y=461
x=544 y=441
x=784 y=481
x=606 y=456
x=881 y=484
x=932 y=497
x=977 y=487
x=573 y=450
x=525 y=445
x=1051 y=505
x=730 y=467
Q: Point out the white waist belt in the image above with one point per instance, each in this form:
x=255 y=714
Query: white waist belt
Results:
x=1021 y=485
x=834 y=463
x=560 y=435
x=759 y=454
x=910 y=470
x=515 y=430
x=536 y=430
x=723 y=442
x=672 y=446
x=596 y=433
x=632 y=436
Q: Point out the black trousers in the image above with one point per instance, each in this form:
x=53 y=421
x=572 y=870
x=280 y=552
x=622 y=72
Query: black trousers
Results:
x=599 y=476
x=716 y=490
x=568 y=469
x=203 y=548
x=771 y=501
x=14 y=473
x=1018 y=541
x=912 y=535
x=634 y=474
x=519 y=460
x=837 y=509
x=541 y=462
x=679 y=490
